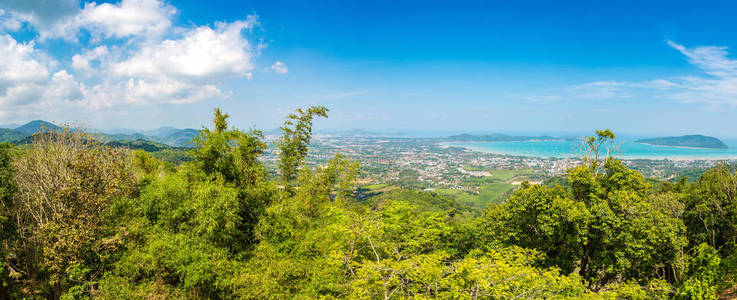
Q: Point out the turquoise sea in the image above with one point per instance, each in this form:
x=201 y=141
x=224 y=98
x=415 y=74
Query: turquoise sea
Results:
x=626 y=149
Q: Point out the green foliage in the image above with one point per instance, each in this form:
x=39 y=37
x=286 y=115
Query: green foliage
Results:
x=711 y=208
x=10 y=135
x=602 y=225
x=493 y=274
x=229 y=154
x=139 y=144
x=296 y=135
x=7 y=226
x=82 y=220
x=704 y=271
x=65 y=182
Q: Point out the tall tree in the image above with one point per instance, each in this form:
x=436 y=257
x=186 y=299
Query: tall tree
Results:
x=295 y=140
x=65 y=182
x=602 y=225
x=229 y=154
x=7 y=226
x=711 y=209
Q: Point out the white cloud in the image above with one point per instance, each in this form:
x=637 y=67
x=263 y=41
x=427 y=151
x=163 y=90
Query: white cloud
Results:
x=27 y=85
x=711 y=59
x=8 y=22
x=127 y=18
x=19 y=61
x=150 y=61
x=49 y=17
x=203 y=52
x=65 y=18
x=717 y=87
x=185 y=70
x=20 y=70
x=279 y=68
x=182 y=70
x=84 y=62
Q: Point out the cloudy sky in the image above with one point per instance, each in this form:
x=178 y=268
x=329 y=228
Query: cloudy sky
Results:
x=665 y=67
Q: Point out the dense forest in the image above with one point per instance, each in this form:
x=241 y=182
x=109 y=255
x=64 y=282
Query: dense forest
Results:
x=80 y=220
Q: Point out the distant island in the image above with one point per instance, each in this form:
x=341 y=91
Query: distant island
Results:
x=503 y=138
x=694 y=141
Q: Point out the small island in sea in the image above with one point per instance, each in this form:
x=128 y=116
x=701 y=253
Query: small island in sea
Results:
x=693 y=141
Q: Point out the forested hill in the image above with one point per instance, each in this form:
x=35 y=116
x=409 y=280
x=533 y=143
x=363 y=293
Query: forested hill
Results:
x=35 y=126
x=502 y=138
x=696 y=141
x=168 y=136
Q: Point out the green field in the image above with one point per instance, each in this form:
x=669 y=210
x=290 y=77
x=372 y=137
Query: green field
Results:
x=486 y=190
x=373 y=187
x=490 y=188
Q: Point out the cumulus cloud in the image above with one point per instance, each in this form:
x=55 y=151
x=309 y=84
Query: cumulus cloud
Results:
x=49 y=17
x=66 y=18
x=87 y=60
x=127 y=18
x=202 y=53
x=8 y=22
x=279 y=68
x=20 y=62
x=27 y=84
x=184 y=70
x=155 y=63
x=21 y=71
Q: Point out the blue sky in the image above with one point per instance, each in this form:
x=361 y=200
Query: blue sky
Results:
x=660 y=67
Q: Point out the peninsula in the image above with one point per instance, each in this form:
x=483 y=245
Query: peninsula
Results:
x=694 y=141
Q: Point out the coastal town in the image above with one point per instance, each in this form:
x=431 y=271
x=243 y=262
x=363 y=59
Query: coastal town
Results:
x=429 y=163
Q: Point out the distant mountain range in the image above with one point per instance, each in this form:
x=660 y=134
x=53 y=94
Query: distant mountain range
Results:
x=503 y=138
x=158 y=138
x=695 y=141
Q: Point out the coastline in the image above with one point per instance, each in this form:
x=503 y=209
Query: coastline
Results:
x=685 y=157
x=681 y=147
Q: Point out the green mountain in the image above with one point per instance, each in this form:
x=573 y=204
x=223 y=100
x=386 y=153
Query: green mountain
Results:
x=162 y=131
x=165 y=136
x=696 y=141
x=178 y=137
x=142 y=144
x=35 y=126
x=10 y=135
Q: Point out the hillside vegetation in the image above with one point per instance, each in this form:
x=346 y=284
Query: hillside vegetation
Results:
x=695 y=141
x=168 y=136
x=82 y=220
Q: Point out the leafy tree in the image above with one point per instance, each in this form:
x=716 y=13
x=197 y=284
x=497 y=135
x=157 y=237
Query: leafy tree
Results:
x=148 y=167
x=704 y=272
x=293 y=144
x=711 y=209
x=202 y=216
x=65 y=183
x=603 y=225
x=229 y=154
x=302 y=237
x=81 y=220
x=7 y=226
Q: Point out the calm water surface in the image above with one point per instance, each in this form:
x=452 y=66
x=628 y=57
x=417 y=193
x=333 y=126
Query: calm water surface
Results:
x=626 y=149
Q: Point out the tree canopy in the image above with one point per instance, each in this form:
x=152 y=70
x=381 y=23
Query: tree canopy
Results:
x=82 y=220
